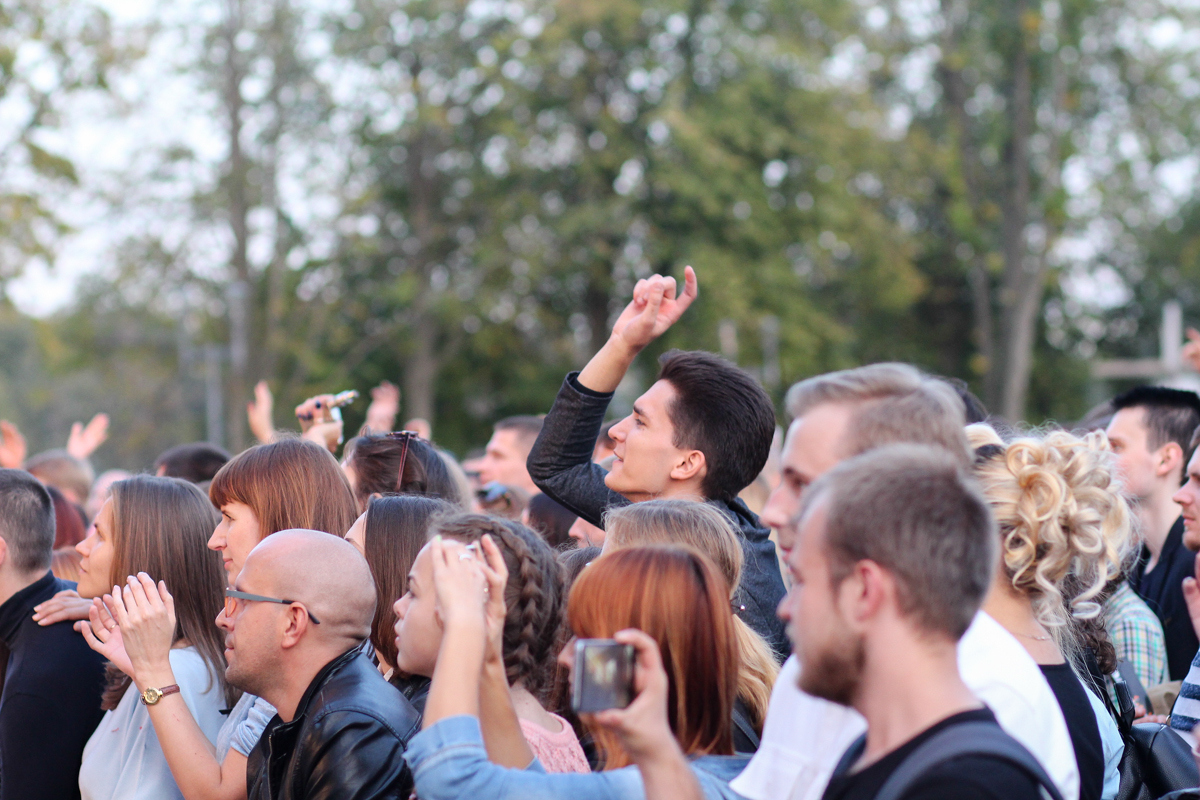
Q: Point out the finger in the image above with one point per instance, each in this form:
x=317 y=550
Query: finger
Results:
x=136 y=595
x=150 y=589
x=96 y=625
x=118 y=606
x=168 y=600
x=108 y=611
x=89 y=636
x=1194 y=335
x=669 y=288
x=691 y=287
x=494 y=569
x=654 y=301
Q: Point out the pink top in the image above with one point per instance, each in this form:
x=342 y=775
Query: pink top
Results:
x=558 y=752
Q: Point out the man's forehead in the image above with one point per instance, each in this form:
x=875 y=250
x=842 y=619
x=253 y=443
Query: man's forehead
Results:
x=1127 y=422
x=655 y=398
x=814 y=439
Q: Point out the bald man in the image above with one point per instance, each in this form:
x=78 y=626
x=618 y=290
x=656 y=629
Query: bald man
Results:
x=295 y=623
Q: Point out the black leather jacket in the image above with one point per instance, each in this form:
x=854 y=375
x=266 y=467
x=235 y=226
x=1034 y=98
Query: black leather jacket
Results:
x=347 y=740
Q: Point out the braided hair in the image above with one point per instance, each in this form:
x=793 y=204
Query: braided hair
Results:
x=533 y=596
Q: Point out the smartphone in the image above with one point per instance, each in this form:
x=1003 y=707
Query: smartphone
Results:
x=603 y=675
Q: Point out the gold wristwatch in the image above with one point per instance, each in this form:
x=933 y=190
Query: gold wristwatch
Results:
x=150 y=696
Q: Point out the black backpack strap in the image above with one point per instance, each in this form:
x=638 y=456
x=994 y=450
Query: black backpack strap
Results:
x=967 y=739
x=742 y=724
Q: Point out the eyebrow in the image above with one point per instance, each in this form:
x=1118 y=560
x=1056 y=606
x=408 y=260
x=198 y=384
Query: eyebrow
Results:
x=638 y=410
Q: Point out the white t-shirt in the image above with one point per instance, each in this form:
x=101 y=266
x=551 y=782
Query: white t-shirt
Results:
x=804 y=737
x=123 y=760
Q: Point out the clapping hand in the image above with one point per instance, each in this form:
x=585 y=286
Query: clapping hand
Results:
x=103 y=634
x=146 y=614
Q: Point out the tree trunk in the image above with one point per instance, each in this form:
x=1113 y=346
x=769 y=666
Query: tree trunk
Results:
x=238 y=297
x=1020 y=292
x=422 y=367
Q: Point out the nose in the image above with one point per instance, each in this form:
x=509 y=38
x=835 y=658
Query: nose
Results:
x=617 y=432
x=223 y=621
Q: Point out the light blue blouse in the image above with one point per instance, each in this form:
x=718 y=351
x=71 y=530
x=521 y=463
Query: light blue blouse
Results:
x=449 y=762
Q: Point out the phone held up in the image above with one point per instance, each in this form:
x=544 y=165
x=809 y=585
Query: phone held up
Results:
x=603 y=675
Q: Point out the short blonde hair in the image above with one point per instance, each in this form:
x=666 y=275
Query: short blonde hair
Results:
x=894 y=404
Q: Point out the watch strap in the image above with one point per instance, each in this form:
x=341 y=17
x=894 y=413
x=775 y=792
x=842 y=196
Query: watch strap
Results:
x=161 y=693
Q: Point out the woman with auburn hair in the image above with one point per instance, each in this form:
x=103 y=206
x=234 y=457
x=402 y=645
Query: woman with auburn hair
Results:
x=290 y=483
x=703 y=527
x=679 y=604
x=1064 y=530
x=153 y=527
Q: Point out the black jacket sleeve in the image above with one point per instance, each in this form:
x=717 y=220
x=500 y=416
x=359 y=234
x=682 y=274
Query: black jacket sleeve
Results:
x=561 y=460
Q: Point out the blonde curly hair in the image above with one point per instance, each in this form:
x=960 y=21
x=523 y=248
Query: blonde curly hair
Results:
x=1061 y=514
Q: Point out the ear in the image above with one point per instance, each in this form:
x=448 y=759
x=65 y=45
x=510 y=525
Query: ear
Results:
x=691 y=467
x=295 y=624
x=865 y=592
x=1169 y=456
x=3 y=551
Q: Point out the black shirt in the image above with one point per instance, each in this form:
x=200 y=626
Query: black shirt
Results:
x=561 y=466
x=966 y=778
x=1162 y=589
x=1081 y=724
x=51 y=699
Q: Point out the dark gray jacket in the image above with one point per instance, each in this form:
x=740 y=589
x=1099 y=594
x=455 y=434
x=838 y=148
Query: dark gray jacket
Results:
x=561 y=466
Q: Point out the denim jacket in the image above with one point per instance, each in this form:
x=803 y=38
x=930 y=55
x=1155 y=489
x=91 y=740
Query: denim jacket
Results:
x=448 y=762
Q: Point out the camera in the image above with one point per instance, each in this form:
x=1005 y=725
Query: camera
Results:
x=603 y=675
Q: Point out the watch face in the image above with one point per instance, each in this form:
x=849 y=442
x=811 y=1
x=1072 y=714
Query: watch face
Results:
x=151 y=696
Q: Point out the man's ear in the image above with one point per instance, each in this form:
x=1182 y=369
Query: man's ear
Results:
x=1169 y=456
x=3 y=551
x=295 y=624
x=865 y=592
x=691 y=466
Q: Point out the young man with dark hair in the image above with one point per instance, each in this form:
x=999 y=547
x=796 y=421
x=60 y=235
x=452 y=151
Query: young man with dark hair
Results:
x=504 y=459
x=894 y=554
x=1151 y=433
x=50 y=703
x=702 y=431
x=197 y=462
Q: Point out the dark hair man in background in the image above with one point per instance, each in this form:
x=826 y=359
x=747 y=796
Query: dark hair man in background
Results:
x=50 y=703
x=1151 y=433
x=504 y=459
x=702 y=431
x=197 y=462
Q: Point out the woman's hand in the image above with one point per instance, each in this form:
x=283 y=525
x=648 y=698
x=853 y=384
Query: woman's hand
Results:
x=66 y=605
x=460 y=583
x=103 y=635
x=314 y=411
x=496 y=573
x=642 y=726
x=146 y=616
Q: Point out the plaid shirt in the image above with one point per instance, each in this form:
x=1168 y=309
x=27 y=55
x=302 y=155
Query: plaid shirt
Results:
x=1137 y=635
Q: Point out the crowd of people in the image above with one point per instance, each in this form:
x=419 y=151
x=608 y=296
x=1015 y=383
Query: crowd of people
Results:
x=900 y=598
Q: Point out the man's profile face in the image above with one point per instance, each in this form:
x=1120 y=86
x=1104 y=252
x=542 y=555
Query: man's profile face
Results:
x=644 y=446
x=504 y=459
x=251 y=632
x=830 y=654
x=1188 y=497
x=812 y=448
x=1135 y=460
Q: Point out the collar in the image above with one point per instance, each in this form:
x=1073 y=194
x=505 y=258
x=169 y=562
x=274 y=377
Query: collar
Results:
x=18 y=608
x=322 y=676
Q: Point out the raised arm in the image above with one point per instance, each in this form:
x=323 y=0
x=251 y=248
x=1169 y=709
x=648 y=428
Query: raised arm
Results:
x=560 y=462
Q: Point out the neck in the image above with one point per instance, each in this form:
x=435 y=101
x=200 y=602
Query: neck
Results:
x=674 y=490
x=12 y=582
x=910 y=683
x=1157 y=513
x=292 y=680
x=1014 y=611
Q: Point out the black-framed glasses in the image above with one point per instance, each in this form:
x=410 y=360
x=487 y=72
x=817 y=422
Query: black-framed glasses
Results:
x=404 y=437
x=233 y=595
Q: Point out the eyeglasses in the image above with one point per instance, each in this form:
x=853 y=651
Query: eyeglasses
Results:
x=404 y=437
x=232 y=596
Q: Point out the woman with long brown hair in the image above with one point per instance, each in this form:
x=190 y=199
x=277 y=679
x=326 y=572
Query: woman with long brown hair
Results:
x=158 y=527
x=290 y=483
x=678 y=601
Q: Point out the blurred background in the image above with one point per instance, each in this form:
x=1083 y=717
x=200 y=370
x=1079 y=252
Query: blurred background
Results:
x=458 y=196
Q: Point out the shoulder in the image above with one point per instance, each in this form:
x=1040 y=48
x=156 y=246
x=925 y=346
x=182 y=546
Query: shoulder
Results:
x=188 y=665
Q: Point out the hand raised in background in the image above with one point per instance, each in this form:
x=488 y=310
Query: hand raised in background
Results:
x=259 y=413
x=12 y=446
x=385 y=405
x=655 y=307
x=86 y=439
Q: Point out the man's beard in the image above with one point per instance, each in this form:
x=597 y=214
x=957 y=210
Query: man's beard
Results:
x=834 y=674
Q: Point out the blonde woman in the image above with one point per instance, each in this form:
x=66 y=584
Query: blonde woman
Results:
x=704 y=528
x=1064 y=528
